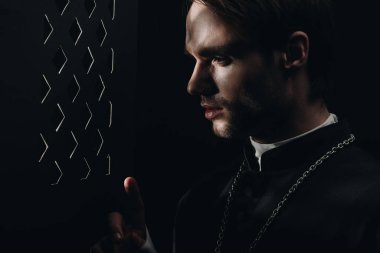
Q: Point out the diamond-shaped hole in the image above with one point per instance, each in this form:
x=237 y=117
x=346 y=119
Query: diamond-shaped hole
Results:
x=87 y=61
x=110 y=61
x=56 y=117
x=72 y=145
x=90 y=6
x=99 y=88
x=59 y=60
x=85 y=116
x=47 y=29
x=44 y=89
x=75 y=31
x=111 y=8
x=101 y=33
x=62 y=5
x=73 y=89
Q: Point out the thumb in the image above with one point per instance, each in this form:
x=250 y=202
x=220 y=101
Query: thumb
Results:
x=134 y=205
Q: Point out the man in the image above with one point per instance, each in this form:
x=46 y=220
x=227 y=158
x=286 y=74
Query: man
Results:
x=261 y=71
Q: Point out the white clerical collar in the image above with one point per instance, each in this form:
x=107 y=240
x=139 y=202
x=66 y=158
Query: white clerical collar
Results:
x=261 y=148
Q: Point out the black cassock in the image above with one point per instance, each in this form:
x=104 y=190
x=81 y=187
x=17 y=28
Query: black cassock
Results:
x=335 y=209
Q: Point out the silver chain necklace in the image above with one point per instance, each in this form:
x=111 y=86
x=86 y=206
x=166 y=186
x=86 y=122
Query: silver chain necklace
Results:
x=292 y=189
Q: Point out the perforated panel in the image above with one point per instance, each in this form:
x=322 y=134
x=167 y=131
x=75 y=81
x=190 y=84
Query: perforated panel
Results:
x=82 y=114
x=68 y=72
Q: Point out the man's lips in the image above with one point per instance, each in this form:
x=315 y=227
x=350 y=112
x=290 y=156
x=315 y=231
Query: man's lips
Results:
x=211 y=111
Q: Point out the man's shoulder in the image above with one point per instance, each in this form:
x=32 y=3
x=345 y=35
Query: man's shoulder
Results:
x=356 y=176
x=357 y=160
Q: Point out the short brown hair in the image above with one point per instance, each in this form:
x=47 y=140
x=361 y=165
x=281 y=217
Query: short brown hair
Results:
x=268 y=23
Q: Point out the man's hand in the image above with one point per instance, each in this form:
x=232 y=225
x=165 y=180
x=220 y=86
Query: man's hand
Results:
x=127 y=234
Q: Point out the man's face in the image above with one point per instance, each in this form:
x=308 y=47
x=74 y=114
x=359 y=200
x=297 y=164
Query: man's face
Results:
x=243 y=92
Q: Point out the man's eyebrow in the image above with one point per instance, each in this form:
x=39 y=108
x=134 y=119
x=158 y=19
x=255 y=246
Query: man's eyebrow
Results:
x=234 y=49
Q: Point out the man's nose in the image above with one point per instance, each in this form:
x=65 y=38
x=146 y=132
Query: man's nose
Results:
x=201 y=81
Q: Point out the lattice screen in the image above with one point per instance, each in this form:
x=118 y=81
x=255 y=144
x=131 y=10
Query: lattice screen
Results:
x=68 y=72
x=79 y=90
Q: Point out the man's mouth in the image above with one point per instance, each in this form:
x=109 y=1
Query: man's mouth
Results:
x=211 y=114
x=211 y=111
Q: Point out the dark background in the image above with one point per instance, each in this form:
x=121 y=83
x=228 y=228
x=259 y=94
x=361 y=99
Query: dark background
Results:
x=159 y=133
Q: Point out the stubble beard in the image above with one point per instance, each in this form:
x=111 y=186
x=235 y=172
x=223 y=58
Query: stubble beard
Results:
x=237 y=121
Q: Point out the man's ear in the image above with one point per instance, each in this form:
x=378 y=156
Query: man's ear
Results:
x=296 y=51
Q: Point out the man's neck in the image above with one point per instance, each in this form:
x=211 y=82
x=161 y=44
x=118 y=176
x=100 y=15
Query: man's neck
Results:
x=302 y=121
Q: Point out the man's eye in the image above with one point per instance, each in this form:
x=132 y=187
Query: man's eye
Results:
x=221 y=60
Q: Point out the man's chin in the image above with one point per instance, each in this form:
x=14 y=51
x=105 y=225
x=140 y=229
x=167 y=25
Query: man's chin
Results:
x=225 y=129
x=222 y=129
